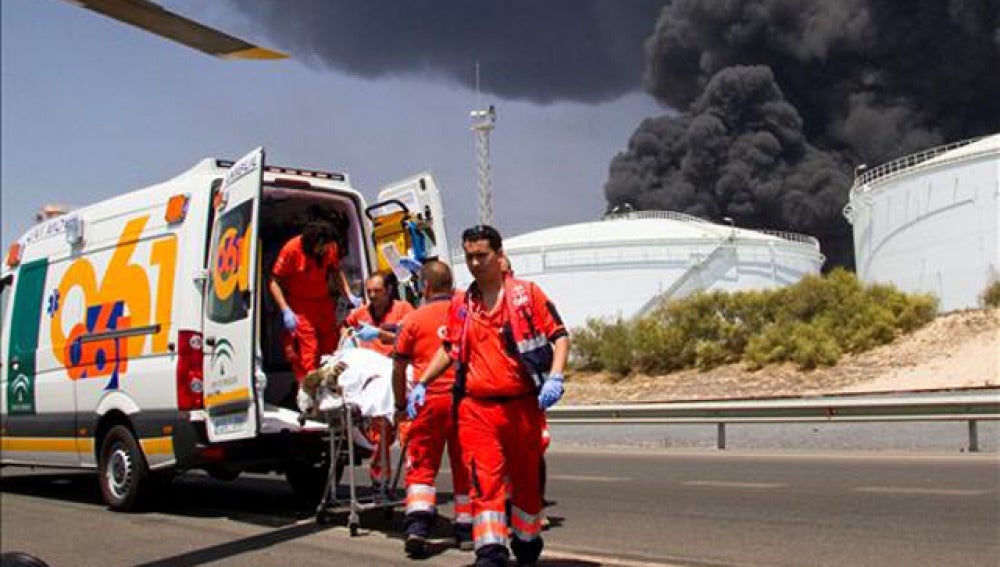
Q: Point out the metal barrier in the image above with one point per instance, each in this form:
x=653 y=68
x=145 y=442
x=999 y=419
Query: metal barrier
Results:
x=947 y=406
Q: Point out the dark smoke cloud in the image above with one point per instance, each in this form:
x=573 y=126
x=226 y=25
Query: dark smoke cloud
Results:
x=581 y=50
x=778 y=98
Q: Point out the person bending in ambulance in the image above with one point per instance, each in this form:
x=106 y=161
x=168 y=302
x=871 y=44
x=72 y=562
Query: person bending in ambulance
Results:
x=306 y=278
x=375 y=324
x=510 y=347
x=418 y=340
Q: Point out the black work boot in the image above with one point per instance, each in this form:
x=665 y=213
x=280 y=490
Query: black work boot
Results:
x=418 y=529
x=463 y=537
x=527 y=552
x=492 y=555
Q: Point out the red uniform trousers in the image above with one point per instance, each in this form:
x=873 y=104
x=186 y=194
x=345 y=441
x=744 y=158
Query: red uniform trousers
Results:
x=315 y=334
x=433 y=427
x=503 y=440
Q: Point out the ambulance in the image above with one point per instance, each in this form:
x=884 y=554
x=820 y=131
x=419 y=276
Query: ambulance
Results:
x=137 y=338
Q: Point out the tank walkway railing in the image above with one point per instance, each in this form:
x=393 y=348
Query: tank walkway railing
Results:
x=693 y=272
x=970 y=406
x=903 y=164
x=656 y=215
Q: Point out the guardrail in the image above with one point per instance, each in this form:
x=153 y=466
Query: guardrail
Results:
x=951 y=406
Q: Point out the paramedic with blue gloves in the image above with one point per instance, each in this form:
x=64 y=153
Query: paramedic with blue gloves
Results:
x=508 y=342
x=430 y=409
x=306 y=277
x=375 y=324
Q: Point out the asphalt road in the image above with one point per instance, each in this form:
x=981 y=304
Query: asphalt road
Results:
x=613 y=508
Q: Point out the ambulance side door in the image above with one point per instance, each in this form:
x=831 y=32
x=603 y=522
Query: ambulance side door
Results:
x=421 y=196
x=230 y=308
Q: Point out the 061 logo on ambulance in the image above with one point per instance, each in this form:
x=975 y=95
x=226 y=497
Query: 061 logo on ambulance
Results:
x=116 y=300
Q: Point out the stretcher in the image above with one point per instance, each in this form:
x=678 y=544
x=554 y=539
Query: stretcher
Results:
x=351 y=388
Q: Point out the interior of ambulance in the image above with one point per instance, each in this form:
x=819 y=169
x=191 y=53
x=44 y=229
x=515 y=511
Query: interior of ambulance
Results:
x=284 y=212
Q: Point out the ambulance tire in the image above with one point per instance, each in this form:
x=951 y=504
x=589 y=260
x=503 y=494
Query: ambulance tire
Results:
x=123 y=473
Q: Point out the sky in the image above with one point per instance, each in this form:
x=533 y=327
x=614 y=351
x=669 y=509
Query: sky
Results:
x=91 y=108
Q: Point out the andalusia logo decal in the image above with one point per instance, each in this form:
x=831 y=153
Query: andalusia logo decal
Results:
x=222 y=355
x=21 y=396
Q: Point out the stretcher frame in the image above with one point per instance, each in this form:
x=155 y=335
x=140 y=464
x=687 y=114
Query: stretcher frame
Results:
x=340 y=422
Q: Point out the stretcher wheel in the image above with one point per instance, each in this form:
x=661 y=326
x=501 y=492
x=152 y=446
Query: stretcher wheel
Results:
x=353 y=528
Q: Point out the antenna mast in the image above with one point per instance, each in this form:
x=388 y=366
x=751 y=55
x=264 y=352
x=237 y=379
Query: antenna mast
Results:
x=482 y=125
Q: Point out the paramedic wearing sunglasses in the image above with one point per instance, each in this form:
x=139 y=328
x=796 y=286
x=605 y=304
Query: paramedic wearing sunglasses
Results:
x=306 y=278
x=419 y=339
x=510 y=347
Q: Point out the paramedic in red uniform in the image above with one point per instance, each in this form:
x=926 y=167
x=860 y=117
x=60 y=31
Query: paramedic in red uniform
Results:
x=510 y=347
x=418 y=340
x=306 y=278
x=375 y=324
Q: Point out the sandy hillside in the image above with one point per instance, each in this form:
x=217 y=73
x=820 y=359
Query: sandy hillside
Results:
x=956 y=350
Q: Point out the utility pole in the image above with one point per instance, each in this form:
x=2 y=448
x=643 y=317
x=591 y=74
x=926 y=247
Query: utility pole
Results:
x=482 y=125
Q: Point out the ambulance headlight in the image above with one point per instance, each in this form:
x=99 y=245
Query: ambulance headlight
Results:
x=74 y=230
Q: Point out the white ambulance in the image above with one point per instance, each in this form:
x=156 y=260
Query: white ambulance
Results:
x=137 y=338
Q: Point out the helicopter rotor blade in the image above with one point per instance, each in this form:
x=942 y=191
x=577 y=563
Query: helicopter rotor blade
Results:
x=153 y=18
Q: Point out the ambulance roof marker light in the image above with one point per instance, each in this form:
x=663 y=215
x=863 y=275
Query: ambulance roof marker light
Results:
x=14 y=255
x=177 y=208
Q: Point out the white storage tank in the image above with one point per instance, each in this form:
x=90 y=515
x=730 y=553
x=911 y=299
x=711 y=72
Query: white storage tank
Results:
x=617 y=267
x=928 y=222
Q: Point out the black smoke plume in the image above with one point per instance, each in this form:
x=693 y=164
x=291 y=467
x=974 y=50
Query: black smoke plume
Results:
x=779 y=98
x=542 y=51
x=769 y=102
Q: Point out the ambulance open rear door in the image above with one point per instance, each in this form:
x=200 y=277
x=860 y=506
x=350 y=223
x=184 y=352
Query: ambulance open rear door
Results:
x=229 y=338
x=420 y=232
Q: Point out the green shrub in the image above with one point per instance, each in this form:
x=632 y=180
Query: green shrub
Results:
x=990 y=297
x=811 y=324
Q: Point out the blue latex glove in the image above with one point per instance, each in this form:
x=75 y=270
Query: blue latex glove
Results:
x=415 y=400
x=355 y=300
x=366 y=332
x=410 y=264
x=552 y=390
x=289 y=319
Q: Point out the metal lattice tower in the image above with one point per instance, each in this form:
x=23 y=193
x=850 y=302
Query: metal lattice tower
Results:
x=482 y=124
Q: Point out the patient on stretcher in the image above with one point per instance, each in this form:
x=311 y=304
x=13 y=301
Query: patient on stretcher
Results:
x=359 y=377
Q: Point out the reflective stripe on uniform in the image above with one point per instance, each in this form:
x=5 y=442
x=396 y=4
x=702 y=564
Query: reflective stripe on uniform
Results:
x=525 y=526
x=532 y=343
x=489 y=528
x=463 y=509
x=420 y=498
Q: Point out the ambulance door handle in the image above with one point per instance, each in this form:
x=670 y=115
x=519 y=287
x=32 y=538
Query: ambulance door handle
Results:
x=15 y=363
x=210 y=342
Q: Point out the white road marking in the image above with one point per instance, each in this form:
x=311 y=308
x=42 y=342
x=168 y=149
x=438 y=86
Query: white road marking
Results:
x=585 y=478
x=914 y=490
x=727 y=484
x=573 y=556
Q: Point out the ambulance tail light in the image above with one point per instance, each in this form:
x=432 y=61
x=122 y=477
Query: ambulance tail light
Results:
x=190 y=373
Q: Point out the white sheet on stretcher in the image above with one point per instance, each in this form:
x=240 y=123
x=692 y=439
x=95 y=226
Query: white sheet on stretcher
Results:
x=366 y=383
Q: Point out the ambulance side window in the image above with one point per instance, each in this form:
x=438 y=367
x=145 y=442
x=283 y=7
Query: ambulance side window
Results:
x=227 y=264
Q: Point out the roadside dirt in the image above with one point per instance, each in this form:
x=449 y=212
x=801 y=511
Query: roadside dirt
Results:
x=956 y=350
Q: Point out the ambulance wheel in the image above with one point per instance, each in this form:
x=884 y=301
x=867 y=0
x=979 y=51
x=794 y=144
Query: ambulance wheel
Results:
x=353 y=529
x=124 y=476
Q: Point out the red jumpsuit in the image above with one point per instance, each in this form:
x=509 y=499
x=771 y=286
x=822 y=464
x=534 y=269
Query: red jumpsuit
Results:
x=360 y=316
x=500 y=424
x=304 y=283
x=417 y=342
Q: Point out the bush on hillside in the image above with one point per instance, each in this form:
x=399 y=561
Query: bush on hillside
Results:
x=811 y=323
x=990 y=297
